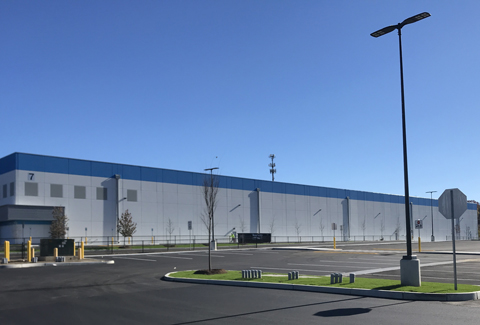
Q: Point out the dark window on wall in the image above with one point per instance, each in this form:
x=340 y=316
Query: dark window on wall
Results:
x=31 y=189
x=12 y=189
x=101 y=193
x=56 y=190
x=5 y=193
x=79 y=192
x=132 y=195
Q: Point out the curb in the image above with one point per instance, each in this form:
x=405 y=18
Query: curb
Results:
x=30 y=265
x=399 y=295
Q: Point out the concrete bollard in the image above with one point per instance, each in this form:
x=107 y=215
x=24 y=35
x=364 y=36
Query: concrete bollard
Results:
x=35 y=260
x=332 y=278
x=243 y=274
x=340 y=277
x=4 y=260
x=260 y=274
x=297 y=274
x=289 y=275
x=352 y=277
x=254 y=274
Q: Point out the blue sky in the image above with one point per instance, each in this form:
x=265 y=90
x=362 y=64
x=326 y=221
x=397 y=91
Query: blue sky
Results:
x=188 y=85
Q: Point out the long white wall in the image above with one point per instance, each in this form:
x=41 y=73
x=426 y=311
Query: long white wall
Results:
x=281 y=214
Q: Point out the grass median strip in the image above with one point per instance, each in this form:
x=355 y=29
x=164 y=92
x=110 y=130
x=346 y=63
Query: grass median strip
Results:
x=360 y=283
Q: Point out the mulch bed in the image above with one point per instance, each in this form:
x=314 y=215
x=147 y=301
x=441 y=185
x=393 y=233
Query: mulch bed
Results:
x=212 y=271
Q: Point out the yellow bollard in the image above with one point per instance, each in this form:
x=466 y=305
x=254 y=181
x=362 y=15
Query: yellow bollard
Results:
x=86 y=241
x=33 y=253
x=334 y=243
x=152 y=240
x=7 y=249
x=55 y=252
x=74 y=248
x=30 y=239
x=128 y=240
x=79 y=253
x=82 y=254
x=419 y=245
x=112 y=242
x=29 y=251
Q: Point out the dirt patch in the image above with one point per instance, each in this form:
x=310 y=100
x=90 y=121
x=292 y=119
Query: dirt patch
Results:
x=211 y=272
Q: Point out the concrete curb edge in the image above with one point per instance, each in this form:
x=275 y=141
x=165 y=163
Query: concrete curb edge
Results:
x=400 y=295
x=42 y=264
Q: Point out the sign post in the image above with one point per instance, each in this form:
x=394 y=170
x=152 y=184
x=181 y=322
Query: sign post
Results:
x=418 y=225
x=190 y=233
x=452 y=204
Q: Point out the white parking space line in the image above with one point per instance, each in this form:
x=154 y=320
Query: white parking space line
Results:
x=337 y=262
x=201 y=255
x=167 y=256
x=131 y=258
x=234 y=253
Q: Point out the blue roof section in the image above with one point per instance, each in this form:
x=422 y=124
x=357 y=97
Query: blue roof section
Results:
x=31 y=162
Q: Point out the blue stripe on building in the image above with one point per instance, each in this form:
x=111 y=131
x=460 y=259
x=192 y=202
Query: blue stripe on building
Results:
x=40 y=163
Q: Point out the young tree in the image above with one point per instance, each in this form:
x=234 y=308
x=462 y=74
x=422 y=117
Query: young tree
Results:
x=209 y=191
x=58 y=228
x=321 y=226
x=126 y=226
x=272 y=225
x=170 y=228
x=298 y=229
x=242 y=224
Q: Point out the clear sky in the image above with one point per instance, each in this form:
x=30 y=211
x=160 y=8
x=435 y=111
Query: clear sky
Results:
x=189 y=85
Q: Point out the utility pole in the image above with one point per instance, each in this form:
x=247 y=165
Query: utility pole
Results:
x=272 y=167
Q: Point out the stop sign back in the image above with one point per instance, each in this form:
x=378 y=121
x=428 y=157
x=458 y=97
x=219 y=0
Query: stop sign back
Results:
x=459 y=203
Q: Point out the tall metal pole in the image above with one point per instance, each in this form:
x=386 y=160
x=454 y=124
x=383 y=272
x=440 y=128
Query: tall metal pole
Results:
x=431 y=206
x=405 y=165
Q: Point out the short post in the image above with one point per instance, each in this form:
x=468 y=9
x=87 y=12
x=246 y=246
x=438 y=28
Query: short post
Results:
x=7 y=249
x=86 y=242
x=74 y=249
x=419 y=245
x=334 y=243
x=352 y=277
x=340 y=277
x=55 y=252
x=29 y=251
x=79 y=253
x=33 y=254
x=332 y=278
x=82 y=247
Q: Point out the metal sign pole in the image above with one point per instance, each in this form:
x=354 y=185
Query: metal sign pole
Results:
x=453 y=243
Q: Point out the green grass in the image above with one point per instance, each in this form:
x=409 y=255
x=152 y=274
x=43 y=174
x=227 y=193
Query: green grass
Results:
x=360 y=283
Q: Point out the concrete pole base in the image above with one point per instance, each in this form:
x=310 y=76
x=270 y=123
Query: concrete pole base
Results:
x=213 y=245
x=410 y=271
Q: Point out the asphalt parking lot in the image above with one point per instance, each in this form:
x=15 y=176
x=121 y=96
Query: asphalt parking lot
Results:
x=131 y=290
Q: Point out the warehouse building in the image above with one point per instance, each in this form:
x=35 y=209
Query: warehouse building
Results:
x=162 y=202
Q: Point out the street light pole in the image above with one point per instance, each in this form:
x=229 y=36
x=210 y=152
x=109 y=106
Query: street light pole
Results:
x=431 y=206
x=379 y=33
